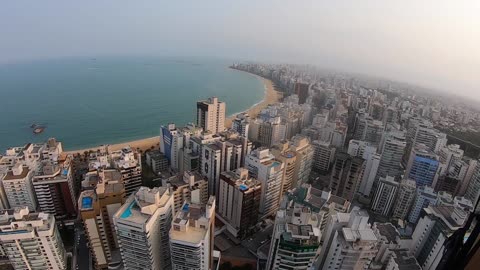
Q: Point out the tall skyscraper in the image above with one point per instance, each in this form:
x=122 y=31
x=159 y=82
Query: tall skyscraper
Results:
x=385 y=195
x=472 y=192
x=391 y=158
x=263 y=166
x=54 y=188
x=304 y=152
x=31 y=240
x=288 y=157
x=422 y=166
x=191 y=236
x=296 y=238
x=346 y=175
x=97 y=207
x=405 y=197
x=425 y=196
x=432 y=231
x=142 y=225
x=238 y=201
x=171 y=142
x=301 y=90
x=211 y=115
x=367 y=129
x=323 y=156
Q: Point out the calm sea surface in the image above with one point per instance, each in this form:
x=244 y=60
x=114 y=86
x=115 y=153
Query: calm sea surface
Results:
x=88 y=102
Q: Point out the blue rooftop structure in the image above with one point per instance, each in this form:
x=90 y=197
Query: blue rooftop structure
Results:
x=185 y=207
x=128 y=211
x=87 y=202
x=243 y=187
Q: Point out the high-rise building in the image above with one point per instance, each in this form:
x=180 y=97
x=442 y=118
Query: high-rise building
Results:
x=405 y=197
x=385 y=195
x=288 y=157
x=211 y=115
x=263 y=166
x=372 y=163
x=267 y=132
x=186 y=186
x=391 y=158
x=17 y=187
x=157 y=161
x=241 y=124
x=31 y=240
x=420 y=132
x=349 y=242
x=323 y=156
x=425 y=196
x=450 y=154
x=401 y=259
x=97 y=207
x=434 y=228
x=129 y=163
x=142 y=225
x=358 y=148
x=301 y=90
x=54 y=188
x=472 y=192
x=296 y=238
x=346 y=175
x=422 y=166
x=191 y=236
x=367 y=129
x=238 y=201
x=171 y=142
x=304 y=159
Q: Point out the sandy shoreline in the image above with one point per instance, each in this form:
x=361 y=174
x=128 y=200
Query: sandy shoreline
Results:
x=271 y=96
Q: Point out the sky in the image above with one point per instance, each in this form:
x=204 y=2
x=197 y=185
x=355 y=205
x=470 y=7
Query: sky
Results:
x=432 y=43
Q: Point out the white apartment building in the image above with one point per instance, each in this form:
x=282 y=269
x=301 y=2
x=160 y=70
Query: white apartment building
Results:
x=191 y=236
x=31 y=240
x=385 y=195
x=142 y=225
x=263 y=166
x=17 y=188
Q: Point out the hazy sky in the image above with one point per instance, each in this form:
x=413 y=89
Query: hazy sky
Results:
x=430 y=42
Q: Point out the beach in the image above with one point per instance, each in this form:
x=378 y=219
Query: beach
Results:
x=271 y=96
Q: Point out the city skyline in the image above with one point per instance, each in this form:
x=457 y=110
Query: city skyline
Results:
x=431 y=44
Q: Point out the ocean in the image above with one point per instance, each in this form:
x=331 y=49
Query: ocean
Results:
x=85 y=102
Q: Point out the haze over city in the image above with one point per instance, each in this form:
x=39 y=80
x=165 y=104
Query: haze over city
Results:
x=431 y=43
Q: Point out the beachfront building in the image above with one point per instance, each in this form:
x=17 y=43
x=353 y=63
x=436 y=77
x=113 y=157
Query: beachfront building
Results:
x=186 y=186
x=142 y=225
x=295 y=241
x=97 y=205
x=263 y=166
x=31 y=240
x=16 y=187
x=211 y=115
x=171 y=142
x=191 y=236
x=54 y=188
x=129 y=163
x=238 y=201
